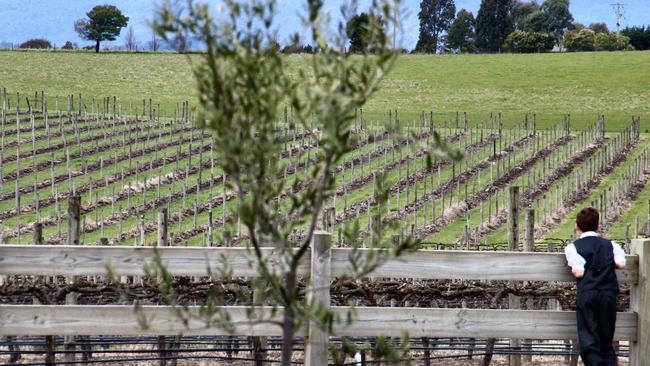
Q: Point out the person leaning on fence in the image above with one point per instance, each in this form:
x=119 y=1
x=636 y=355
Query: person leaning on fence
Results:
x=593 y=261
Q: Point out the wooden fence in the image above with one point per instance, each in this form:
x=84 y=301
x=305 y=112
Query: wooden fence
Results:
x=322 y=265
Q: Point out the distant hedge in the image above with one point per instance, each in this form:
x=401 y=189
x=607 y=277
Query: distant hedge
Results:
x=36 y=43
x=529 y=42
x=588 y=40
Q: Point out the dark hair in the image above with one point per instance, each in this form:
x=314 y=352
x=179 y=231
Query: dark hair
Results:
x=587 y=219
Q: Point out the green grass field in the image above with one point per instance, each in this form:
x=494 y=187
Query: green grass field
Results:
x=616 y=84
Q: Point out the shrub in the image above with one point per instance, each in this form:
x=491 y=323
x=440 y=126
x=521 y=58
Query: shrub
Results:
x=529 y=42
x=582 y=40
x=69 y=46
x=36 y=43
x=610 y=42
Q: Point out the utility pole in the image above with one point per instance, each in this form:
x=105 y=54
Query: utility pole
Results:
x=619 y=8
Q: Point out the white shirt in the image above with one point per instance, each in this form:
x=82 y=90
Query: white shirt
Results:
x=576 y=261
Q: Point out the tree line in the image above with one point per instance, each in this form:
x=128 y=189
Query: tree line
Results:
x=507 y=25
x=499 y=26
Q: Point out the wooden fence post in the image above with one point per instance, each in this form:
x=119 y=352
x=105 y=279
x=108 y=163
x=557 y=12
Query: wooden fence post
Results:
x=49 y=340
x=640 y=303
x=319 y=293
x=529 y=246
x=74 y=233
x=513 y=218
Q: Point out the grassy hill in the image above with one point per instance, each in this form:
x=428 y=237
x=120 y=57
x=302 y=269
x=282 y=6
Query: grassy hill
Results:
x=616 y=84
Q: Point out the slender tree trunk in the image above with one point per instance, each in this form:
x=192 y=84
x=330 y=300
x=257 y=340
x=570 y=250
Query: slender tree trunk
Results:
x=288 y=321
x=97 y=46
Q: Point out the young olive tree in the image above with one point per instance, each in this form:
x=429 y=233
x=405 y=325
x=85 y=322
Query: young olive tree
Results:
x=243 y=84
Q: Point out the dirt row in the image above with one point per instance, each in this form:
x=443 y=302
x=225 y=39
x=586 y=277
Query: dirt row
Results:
x=368 y=178
x=452 y=213
x=580 y=195
x=124 y=193
x=61 y=145
x=217 y=201
x=52 y=126
x=102 y=182
x=130 y=172
x=355 y=210
x=463 y=177
x=542 y=187
x=141 y=209
x=628 y=200
x=98 y=149
x=94 y=150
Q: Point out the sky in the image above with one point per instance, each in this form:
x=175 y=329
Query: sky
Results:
x=54 y=19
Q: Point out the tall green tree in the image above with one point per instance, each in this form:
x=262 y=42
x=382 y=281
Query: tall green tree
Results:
x=104 y=23
x=557 y=17
x=435 y=17
x=493 y=24
x=359 y=32
x=535 y=22
x=639 y=37
x=599 y=27
x=521 y=10
x=461 y=33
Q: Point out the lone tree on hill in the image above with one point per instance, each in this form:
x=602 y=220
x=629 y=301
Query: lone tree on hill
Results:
x=104 y=23
x=493 y=24
x=435 y=17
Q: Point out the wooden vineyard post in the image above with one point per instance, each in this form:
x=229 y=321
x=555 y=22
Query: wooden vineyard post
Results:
x=513 y=218
x=530 y=230
x=316 y=347
x=38 y=233
x=640 y=303
x=163 y=240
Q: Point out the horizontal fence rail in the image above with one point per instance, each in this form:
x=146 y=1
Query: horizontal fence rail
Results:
x=322 y=264
x=182 y=261
x=369 y=321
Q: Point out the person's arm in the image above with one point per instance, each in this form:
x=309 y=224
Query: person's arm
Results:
x=575 y=261
x=619 y=256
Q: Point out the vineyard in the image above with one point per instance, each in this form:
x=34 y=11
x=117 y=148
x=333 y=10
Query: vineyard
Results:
x=130 y=169
x=126 y=167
